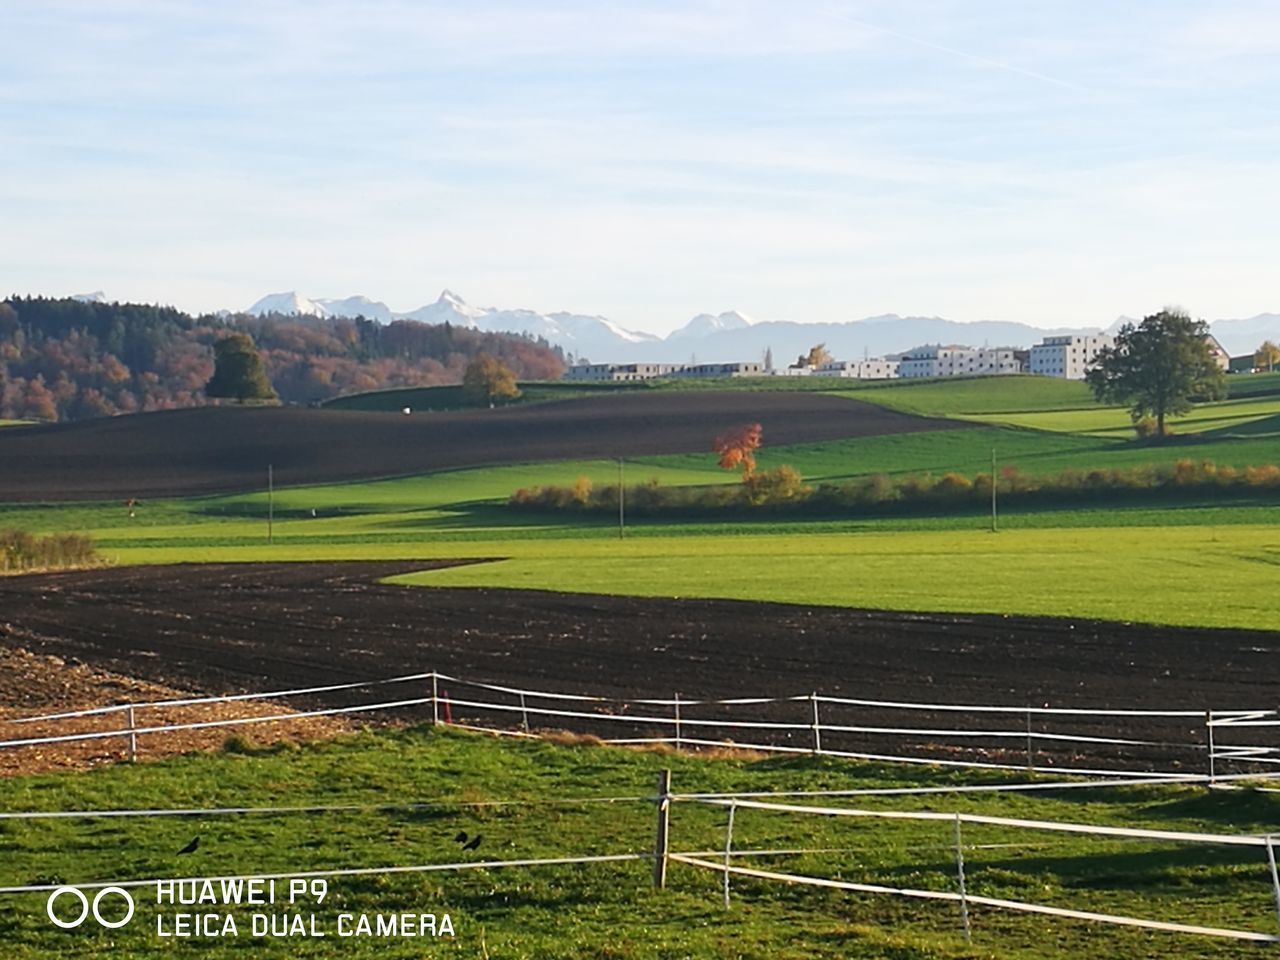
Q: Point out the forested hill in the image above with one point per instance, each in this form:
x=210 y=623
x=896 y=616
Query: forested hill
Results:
x=64 y=359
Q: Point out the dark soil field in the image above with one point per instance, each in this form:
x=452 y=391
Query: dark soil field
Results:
x=241 y=627
x=223 y=449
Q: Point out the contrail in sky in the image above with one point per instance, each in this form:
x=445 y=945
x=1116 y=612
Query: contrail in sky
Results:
x=952 y=51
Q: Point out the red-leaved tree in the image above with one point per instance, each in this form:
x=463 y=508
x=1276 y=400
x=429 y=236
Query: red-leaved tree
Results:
x=737 y=447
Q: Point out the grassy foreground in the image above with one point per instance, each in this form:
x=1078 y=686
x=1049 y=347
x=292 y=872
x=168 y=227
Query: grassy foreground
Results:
x=526 y=800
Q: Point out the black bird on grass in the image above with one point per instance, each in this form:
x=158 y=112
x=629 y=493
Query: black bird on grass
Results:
x=475 y=842
x=190 y=847
x=461 y=837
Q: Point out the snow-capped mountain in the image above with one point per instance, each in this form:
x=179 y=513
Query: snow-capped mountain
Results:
x=583 y=336
x=287 y=304
x=705 y=324
x=357 y=307
x=449 y=308
x=727 y=336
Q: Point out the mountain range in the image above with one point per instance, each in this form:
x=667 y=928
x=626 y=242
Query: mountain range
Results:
x=727 y=336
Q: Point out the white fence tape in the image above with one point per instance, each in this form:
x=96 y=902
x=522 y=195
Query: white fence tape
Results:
x=1057 y=826
x=230 y=698
x=1036 y=745
x=969 y=898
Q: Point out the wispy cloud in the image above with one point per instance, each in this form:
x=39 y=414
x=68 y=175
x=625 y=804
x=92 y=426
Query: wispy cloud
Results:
x=645 y=160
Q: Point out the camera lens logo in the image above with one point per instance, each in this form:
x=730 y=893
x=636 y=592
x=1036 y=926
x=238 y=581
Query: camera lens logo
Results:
x=86 y=908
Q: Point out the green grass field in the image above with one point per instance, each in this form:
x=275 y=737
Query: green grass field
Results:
x=1186 y=563
x=1226 y=416
x=1194 y=562
x=1046 y=403
x=523 y=799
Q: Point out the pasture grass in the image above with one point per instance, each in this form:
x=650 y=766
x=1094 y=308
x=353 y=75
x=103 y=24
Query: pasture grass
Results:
x=940 y=396
x=514 y=793
x=964 y=396
x=1196 y=574
x=1193 y=562
x=1067 y=406
x=1227 y=416
x=1165 y=575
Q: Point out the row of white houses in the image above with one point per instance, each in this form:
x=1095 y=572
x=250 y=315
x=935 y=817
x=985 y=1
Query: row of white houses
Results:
x=1067 y=357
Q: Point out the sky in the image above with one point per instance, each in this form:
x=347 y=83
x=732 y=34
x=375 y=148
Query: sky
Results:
x=1054 y=162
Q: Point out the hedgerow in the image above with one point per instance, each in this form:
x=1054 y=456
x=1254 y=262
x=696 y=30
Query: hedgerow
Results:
x=783 y=489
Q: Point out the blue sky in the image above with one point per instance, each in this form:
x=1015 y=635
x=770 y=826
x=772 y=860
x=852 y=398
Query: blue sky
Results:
x=1044 y=161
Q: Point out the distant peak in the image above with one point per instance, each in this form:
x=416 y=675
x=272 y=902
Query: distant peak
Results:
x=448 y=296
x=705 y=324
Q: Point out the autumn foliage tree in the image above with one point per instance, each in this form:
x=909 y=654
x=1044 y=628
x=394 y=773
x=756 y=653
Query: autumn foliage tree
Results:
x=817 y=356
x=488 y=381
x=1267 y=356
x=65 y=359
x=737 y=447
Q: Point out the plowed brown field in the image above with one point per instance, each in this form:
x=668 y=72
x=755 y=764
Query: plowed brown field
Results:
x=222 y=449
x=254 y=627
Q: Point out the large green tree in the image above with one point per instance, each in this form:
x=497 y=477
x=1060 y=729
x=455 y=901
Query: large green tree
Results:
x=1158 y=368
x=488 y=381
x=238 y=373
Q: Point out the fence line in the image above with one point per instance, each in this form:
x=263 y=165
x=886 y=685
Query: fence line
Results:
x=969 y=898
x=971 y=747
x=229 y=698
x=661 y=854
x=963 y=897
x=1058 y=826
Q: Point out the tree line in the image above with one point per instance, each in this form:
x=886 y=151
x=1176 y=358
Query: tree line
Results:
x=65 y=359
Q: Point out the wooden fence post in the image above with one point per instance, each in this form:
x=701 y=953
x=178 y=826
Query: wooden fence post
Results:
x=661 y=842
x=1031 y=757
x=435 y=699
x=524 y=714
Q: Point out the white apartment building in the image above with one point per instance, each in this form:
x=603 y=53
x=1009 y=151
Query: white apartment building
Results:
x=872 y=369
x=620 y=371
x=1067 y=357
x=650 y=371
x=748 y=369
x=959 y=361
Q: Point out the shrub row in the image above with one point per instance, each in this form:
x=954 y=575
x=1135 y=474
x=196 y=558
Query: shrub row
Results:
x=21 y=551
x=784 y=489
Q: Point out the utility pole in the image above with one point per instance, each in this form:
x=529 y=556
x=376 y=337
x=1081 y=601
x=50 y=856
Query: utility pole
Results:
x=271 y=502
x=993 y=490
x=622 y=507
